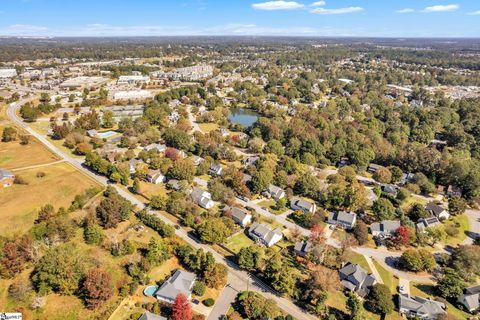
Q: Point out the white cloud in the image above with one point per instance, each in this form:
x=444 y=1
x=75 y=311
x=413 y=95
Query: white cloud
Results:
x=442 y=8
x=405 y=10
x=277 y=5
x=474 y=13
x=337 y=11
x=318 y=4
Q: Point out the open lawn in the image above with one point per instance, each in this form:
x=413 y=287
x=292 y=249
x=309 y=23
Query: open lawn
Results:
x=207 y=127
x=462 y=225
x=58 y=187
x=238 y=242
x=149 y=189
x=14 y=155
x=388 y=278
x=270 y=205
x=359 y=259
x=427 y=290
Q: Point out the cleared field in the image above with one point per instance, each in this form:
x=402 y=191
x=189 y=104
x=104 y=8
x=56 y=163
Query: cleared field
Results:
x=13 y=155
x=58 y=187
x=207 y=127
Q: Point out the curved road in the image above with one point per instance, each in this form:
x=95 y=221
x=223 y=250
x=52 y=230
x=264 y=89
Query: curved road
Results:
x=238 y=280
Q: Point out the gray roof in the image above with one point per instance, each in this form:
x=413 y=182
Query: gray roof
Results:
x=471 y=298
x=274 y=190
x=343 y=216
x=151 y=316
x=180 y=282
x=434 y=208
x=264 y=232
x=387 y=226
x=302 y=203
x=355 y=278
x=6 y=174
x=238 y=214
x=427 y=308
x=428 y=222
x=303 y=247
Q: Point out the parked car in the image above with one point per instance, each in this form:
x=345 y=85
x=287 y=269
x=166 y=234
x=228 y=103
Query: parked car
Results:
x=195 y=301
x=402 y=290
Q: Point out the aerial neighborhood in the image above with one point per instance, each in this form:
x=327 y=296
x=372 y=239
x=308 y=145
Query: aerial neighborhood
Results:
x=248 y=180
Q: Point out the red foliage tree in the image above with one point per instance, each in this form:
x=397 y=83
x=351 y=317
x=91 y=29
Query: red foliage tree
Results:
x=317 y=233
x=402 y=236
x=172 y=154
x=97 y=287
x=15 y=255
x=181 y=308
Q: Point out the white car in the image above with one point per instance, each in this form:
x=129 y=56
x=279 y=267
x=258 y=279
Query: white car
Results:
x=402 y=290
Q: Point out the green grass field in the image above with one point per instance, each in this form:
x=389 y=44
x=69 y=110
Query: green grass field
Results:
x=58 y=187
x=238 y=242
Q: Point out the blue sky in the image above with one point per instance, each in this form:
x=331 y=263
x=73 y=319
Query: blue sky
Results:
x=391 y=18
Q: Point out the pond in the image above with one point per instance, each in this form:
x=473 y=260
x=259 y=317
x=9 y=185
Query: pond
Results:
x=245 y=117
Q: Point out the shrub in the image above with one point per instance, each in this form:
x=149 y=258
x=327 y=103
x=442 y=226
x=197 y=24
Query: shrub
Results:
x=199 y=288
x=209 y=302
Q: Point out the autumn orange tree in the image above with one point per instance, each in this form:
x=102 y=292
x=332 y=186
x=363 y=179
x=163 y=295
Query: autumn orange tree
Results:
x=97 y=287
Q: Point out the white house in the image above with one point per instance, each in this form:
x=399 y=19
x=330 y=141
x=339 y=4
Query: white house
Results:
x=180 y=283
x=437 y=211
x=264 y=235
x=385 y=228
x=155 y=176
x=297 y=203
x=346 y=220
x=274 y=192
x=202 y=198
x=241 y=216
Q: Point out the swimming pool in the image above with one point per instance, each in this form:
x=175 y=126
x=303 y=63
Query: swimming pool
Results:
x=150 y=291
x=107 y=134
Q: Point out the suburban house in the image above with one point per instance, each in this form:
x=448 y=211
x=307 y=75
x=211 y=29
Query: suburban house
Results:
x=470 y=299
x=6 y=178
x=132 y=164
x=202 y=198
x=356 y=279
x=423 y=224
x=197 y=160
x=372 y=167
x=437 y=211
x=346 y=220
x=151 y=316
x=156 y=146
x=421 y=308
x=155 y=176
x=250 y=160
x=454 y=191
x=385 y=228
x=241 y=216
x=390 y=189
x=174 y=184
x=297 y=203
x=215 y=170
x=264 y=235
x=407 y=178
x=302 y=248
x=274 y=192
x=181 y=282
x=92 y=133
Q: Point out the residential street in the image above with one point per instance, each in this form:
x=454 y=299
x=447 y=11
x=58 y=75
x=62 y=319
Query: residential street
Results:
x=474 y=221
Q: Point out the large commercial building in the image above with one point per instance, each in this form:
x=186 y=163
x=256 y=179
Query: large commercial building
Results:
x=7 y=73
x=132 y=95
